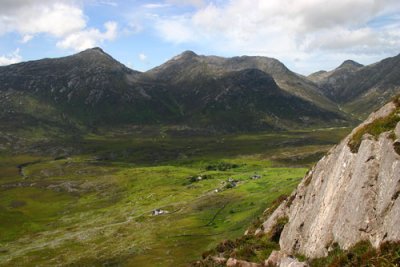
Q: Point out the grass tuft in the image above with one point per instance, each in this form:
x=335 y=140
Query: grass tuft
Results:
x=361 y=254
x=251 y=248
x=374 y=128
x=276 y=231
x=268 y=212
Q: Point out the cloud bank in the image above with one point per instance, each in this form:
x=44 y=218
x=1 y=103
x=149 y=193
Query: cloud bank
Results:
x=296 y=30
x=11 y=58
x=61 y=19
x=301 y=33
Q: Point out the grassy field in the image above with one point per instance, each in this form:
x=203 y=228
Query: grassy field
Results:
x=94 y=207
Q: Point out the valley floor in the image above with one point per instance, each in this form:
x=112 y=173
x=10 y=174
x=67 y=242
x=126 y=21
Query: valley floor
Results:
x=96 y=207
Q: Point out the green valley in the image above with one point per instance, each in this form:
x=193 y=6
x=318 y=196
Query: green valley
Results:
x=197 y=133
x=94 y=205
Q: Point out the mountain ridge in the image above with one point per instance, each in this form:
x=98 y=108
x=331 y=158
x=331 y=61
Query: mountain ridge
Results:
x=361 y=89
x=93 y=89
x=188 y=64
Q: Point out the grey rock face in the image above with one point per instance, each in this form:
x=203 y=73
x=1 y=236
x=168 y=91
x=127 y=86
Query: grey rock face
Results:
x=347 y=197
x=278 y=258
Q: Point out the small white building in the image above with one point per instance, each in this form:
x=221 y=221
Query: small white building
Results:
x=157 y=212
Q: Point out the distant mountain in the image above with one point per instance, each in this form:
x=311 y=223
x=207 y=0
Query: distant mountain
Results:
x=92 y=89
x=247 y=99
x=340 y=73
x=331 y=82
x=361 y=89
x=189 y=66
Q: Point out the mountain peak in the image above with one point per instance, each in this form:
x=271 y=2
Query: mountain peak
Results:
x=350 y=64
x=96 y=55
x=188 y=54
x=93 y=51
x=98 y=49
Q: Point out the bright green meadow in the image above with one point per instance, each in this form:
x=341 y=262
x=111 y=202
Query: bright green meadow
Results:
x=93 y=205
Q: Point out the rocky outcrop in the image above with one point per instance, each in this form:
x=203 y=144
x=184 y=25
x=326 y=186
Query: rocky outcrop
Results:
x=346 y=197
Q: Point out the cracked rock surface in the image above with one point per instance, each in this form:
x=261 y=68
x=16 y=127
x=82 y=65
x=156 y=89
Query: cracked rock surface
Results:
x=346 y=197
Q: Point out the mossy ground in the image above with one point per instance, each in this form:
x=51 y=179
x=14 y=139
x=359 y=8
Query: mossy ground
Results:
x=375 y=128
x=94 y=208
x=361 y=254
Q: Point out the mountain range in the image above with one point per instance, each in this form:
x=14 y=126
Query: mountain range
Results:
x=359 y=89
x=89 y=159
x=91 y=89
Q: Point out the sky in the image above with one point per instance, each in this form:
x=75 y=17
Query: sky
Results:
x=306 y=35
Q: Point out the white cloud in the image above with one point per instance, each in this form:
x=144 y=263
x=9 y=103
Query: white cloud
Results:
x=89 y=38
x=289 y=30
x=11 y=58
x=197 y=3
x=26 y=38
x=106 y=2
x=56 y=18
x=133 y=27
x=142 y=57
x=175 y=30
x=156 y=5
x=63 y=19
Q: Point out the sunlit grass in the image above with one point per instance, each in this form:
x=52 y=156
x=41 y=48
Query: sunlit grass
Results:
x=94 y=208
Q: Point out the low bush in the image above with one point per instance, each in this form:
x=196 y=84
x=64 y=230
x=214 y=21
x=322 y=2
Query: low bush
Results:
x=362 y=254
x=221 y=166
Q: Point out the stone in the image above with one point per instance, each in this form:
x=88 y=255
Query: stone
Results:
x=218 y=260
x=239 y=263
x=280 y=259
x=346 y=198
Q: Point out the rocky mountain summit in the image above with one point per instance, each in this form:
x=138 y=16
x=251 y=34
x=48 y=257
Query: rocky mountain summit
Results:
x=350 y=195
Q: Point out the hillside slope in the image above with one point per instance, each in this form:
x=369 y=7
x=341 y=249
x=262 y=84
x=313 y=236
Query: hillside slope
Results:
x=189 y=66
x=352 y=194
x=331 y=82
x=361 y=89
x=340 y=73
x=91 y=89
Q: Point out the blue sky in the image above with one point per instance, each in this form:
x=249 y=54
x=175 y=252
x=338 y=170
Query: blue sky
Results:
x=306 y=35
